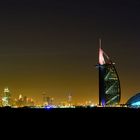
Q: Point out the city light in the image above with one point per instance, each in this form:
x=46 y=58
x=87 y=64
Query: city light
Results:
x=69 y=55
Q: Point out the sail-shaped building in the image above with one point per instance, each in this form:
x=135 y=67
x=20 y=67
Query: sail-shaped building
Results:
x=109 y=83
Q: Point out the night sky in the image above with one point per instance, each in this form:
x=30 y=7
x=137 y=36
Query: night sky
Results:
x=51 y=46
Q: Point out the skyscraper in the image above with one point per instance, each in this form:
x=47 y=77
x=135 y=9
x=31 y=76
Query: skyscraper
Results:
x=6 y=99
x=47 y=101
x=109 y=83
x=70 y=100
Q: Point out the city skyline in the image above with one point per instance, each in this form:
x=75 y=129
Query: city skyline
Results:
x=52 y=47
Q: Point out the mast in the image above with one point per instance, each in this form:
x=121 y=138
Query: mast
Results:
x=101 y=76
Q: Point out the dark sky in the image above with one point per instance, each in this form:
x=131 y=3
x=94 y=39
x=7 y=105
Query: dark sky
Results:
x=52 y=46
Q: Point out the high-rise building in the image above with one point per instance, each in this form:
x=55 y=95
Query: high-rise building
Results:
x=19 y=101
x=109 y=83
x=70 y=100
x=6 y=99
x=47 y=101
x=23 y=101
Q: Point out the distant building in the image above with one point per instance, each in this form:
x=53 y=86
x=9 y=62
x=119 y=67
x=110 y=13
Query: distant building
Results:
x=0 y=101
x=70 y=100
x=47 y=100
x=134 y=101
x=23 y=101
x=19 y=101
x=109 y=83
x=30 y=102
x=6 y=98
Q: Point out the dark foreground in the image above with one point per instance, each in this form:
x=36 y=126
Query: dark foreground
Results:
x=78 y=109
x=95 y=110
x=78 y=116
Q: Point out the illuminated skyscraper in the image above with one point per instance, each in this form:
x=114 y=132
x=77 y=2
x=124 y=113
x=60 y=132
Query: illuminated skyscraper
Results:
x=109 y=83
x=19 y=102
x=47 y=101
x=6 y=99
x=69 y=100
